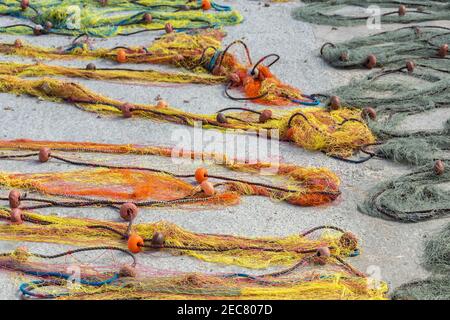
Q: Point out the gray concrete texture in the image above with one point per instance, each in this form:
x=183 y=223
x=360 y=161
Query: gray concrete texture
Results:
x=394 y=247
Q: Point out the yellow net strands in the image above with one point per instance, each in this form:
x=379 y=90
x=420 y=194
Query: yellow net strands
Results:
x=178 y=49
x=198 y=53
x=112 y=18
x=337 y=132
x=103 y=184
x=315 y=260
x=135 y=281
x=254 y=253
x=107 y=74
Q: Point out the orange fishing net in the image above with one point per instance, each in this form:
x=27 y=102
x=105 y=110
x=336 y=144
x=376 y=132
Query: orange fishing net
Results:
x=300 y=186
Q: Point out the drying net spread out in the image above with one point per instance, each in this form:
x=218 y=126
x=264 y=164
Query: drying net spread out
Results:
x=413 y=197
x=436 y=260
x=199 y=54
x=132 y=76
x=338 y=132
x=413 y=79
x=115 y=17
x=126 y=279
x=105 y=184
x=179 y=48
x=396 y=95
x=255 y=253
x=393 y=49
x=337 y=13
x=314 y=259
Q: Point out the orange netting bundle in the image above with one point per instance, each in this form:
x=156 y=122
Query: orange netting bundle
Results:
x=107 y=184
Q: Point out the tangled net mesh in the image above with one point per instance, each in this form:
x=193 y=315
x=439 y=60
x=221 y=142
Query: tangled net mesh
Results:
x=255 y=253
x=199 y=53
x=151 y=187
x=413 y=79
x=142 y=282
x=332 y=12
x=126 y=18
x=435 y=259
x=340 y=132
x=413 y=197
x=392 y=49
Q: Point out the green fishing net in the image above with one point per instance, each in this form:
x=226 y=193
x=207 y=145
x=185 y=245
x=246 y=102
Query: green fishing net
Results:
x=433 y=288
x=419 y=195
x=413 y=78
x=396 y=97
x=420 y=44
x=334 y=13
x=116 y=18
x=437 y=252
x=437 y=260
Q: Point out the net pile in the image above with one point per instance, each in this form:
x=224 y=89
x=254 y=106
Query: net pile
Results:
x=178 y=48
x=436 y=260
x=133 y=281
x=396 y=94
x=314 y=259
x=107 y=184
x=339 y=132
x=413 y=79
x=332 y=12
x=392 y=49
x=419 y=195
x=199 y=53
x=255 y=253
x=109 y=74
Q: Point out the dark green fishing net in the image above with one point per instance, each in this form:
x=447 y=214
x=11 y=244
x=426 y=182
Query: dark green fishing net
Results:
x=436 y=259
x=330 y=12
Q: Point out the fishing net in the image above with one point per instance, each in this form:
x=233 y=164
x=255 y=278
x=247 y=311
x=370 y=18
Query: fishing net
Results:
x=100 y=183
x=194 y=286
x=124 y=18
x=437 y=250
x=134 y=281
x=199 y=52
x=153 y=189
x=433 y=288
x=413 y=197
x=256 y=253
x=338 y=132
x=422 y=194
x=174 y=48
x=422 y=45
x=147 y=76
x=336 y=13
x=435 y=259
x=414 y=79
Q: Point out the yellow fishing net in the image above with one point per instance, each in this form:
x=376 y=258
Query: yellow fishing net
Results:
x=200 y=53
x=339 y=132
x=133 y=76
x=247 y=252
x=140 y=282
x=192 y=287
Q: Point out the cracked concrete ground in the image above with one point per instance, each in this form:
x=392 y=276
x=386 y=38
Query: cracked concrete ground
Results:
x=394 y=247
